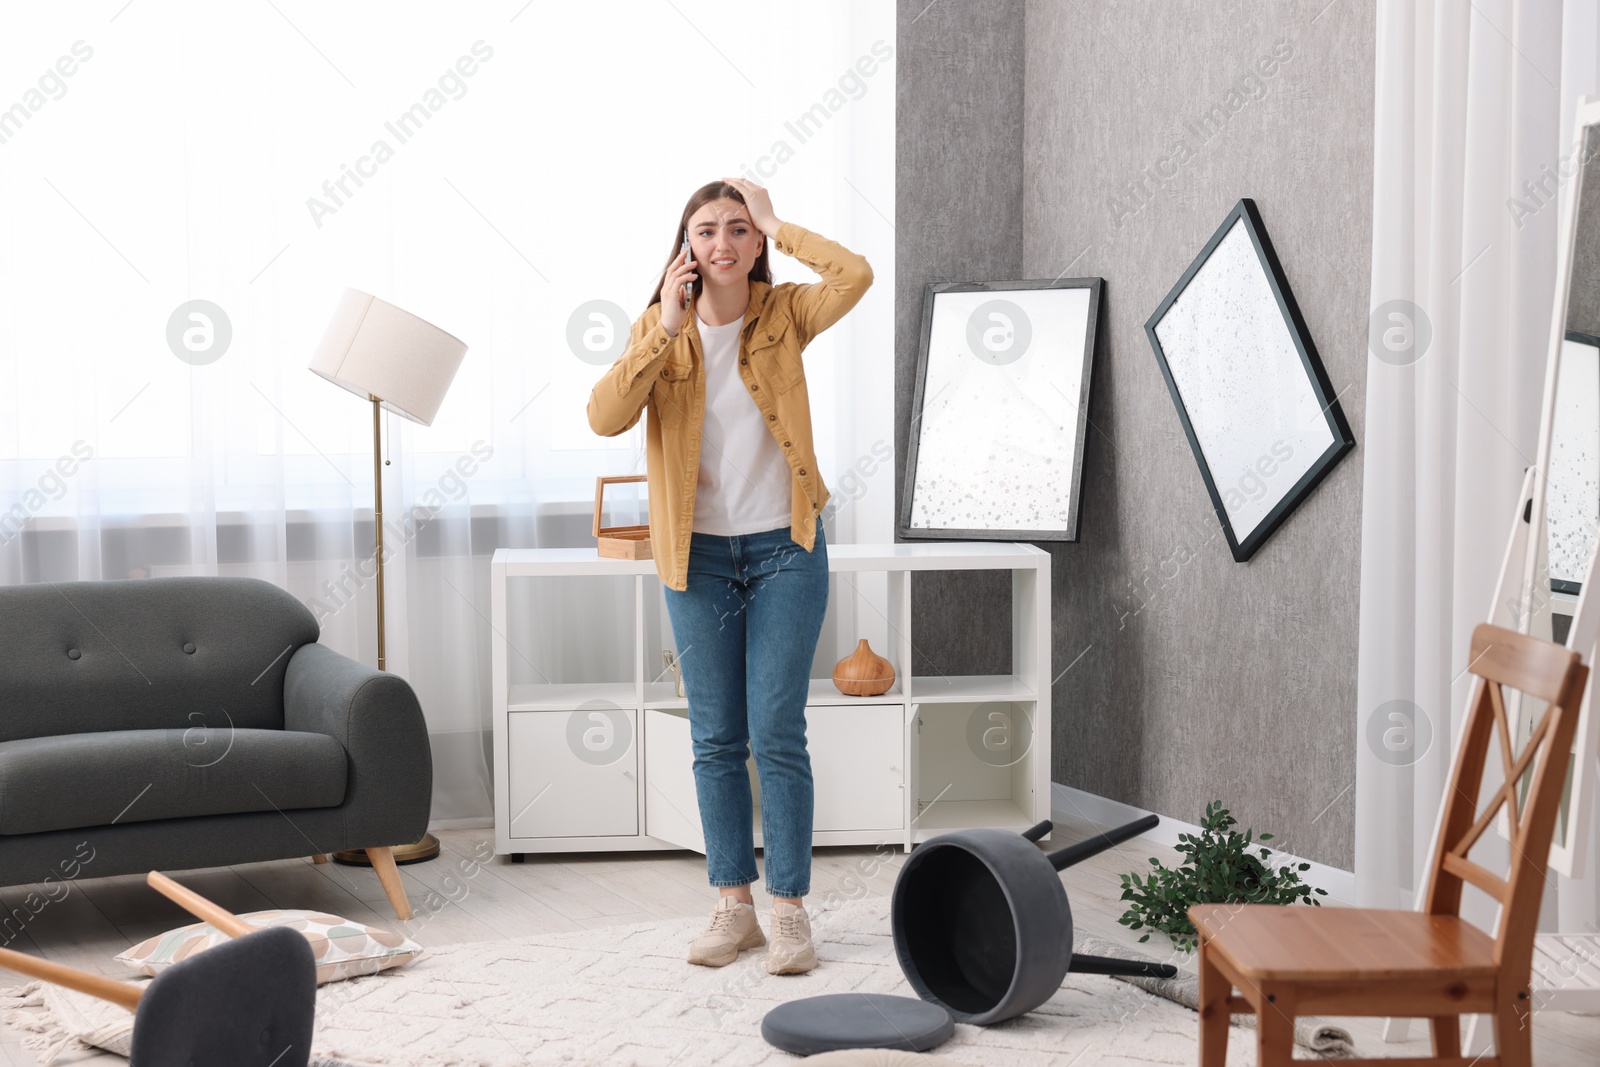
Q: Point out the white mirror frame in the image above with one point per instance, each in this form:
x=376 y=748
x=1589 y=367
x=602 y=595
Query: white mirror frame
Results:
x=1523 y=600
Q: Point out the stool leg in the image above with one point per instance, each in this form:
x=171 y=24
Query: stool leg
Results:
x=1215 y=989
x=1275 y=1028
x=1446 y=1036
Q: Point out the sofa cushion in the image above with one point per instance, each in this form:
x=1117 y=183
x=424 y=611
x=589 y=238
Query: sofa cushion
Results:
x=121 y=776
x=145 y=654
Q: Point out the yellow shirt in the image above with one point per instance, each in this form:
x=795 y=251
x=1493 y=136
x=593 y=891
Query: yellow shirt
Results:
x=667 y=375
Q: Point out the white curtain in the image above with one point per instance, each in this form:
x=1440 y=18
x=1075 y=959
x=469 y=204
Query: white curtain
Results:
x=1472 y=102
x=493 y=168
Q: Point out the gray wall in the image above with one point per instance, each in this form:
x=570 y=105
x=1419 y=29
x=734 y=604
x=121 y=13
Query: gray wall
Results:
x=1025 y=131
x=959 y=207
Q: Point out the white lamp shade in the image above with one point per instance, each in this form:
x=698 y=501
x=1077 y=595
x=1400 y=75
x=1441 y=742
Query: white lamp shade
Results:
x=375 y=349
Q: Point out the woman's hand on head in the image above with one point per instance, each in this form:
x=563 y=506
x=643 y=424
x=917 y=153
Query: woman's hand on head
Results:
x=759 y=202
x=680 y=272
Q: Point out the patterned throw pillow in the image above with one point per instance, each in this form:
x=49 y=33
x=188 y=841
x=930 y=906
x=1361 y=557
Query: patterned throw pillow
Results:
x=342 y=949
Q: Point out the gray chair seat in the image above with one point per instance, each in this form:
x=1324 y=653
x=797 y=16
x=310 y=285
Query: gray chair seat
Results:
x=73 y=781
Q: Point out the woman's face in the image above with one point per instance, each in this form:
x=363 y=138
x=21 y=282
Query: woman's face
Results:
x=724 y=241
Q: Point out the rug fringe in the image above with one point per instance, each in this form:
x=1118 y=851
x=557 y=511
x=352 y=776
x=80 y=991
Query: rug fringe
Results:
x=23 y=996
x=43 y=1031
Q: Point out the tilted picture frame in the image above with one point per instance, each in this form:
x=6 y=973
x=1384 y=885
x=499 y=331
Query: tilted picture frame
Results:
x=1261 y=416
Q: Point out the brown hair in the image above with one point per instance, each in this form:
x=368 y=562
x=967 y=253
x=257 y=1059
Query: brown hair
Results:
x=761 y=272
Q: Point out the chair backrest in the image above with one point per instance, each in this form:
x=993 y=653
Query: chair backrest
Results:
x=1547 y=672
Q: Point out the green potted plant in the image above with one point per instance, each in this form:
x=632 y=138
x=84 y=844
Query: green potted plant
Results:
x=1218 y=869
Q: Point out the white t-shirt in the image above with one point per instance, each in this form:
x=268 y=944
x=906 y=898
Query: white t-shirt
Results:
x=744 y=484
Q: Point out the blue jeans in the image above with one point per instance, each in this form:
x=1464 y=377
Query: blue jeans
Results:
x=746 y=629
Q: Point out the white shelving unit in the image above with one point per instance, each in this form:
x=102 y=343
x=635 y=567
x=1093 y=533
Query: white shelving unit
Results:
x=597 y=757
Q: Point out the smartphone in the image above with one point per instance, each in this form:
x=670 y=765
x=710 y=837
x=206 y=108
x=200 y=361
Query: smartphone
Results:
x=687 y=286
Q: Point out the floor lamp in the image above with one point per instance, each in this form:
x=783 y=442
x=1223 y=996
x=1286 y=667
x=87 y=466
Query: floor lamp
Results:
x=401 y=363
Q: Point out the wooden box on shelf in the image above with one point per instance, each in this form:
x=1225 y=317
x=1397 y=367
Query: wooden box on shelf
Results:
x=619 y=542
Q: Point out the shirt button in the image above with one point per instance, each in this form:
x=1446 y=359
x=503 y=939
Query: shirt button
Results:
x=641 y=374
x=754 y=387
x=786 y=445
x=771 y=337
x=743 y=360
x=802 y=472
x=772 y=418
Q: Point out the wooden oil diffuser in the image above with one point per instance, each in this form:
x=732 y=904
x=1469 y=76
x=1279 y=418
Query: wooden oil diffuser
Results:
x=619 y=542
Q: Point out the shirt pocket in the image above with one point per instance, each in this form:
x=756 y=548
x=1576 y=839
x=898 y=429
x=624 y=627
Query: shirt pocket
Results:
x=776 y=348
x=670 y=394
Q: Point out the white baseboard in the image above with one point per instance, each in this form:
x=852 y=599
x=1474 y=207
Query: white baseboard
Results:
x=477 y=822
x=1339 y=884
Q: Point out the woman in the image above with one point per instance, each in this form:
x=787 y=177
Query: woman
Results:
x=735 y=502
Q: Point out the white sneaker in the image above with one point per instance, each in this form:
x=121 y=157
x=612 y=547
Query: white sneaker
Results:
x=733 y=929
x=791 y=951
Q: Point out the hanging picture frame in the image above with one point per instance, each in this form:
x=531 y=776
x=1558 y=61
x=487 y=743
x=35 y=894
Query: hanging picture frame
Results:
x=1000 y=410
x=1261 y=416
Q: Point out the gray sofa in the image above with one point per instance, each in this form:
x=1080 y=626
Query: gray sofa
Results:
x=175 y=723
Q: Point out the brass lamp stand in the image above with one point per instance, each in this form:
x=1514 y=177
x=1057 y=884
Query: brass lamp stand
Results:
x=397 y=361
x=428 y=847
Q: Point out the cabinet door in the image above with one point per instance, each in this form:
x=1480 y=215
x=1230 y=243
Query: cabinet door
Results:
x=857 y=760
x=573 y=773
x=857 y=764
x=671 y=811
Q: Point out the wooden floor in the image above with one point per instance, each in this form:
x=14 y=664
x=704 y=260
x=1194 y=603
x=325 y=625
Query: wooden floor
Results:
x=458 y=899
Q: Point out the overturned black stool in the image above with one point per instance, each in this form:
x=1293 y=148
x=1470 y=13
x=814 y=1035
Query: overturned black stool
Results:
x=982 y=926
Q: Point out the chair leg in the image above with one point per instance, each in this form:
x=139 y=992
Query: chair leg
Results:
x=382 y=860
x=1215 y=989
x=1446 y=1036
x=1513 y=1033
x=320 y=857
x=1275 y=1028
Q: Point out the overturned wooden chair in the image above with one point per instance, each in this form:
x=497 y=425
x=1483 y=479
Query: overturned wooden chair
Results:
x=1291 y=961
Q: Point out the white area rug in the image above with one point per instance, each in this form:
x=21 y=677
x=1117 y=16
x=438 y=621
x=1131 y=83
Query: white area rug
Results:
x=624 y=995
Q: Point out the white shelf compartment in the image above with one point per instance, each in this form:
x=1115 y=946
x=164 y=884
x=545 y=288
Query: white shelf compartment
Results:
x=975 y=763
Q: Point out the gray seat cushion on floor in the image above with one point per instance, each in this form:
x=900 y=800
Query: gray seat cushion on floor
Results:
x=125 y=776
x=836 y=1021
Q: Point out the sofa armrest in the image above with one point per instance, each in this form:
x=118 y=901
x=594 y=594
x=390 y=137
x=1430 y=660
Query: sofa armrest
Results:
x=376 y=717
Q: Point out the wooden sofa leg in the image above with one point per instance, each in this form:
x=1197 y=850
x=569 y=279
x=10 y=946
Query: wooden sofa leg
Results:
x=382 y=860
x=320 y=857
